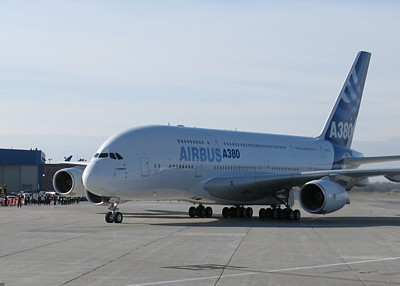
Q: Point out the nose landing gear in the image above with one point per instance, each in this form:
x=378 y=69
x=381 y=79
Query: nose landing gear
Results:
x=114 y=215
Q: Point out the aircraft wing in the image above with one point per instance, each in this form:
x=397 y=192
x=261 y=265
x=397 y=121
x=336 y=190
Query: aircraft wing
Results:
x=250 y=188
x=357 y=161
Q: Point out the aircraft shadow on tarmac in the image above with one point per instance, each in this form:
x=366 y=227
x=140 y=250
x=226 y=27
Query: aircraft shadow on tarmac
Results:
x=177 y=218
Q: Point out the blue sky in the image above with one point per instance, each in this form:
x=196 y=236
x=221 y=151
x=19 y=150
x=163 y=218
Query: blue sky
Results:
x=72 y=73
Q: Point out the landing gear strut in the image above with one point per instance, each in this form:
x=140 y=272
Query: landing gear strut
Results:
x=200 y=211
x=114 y=215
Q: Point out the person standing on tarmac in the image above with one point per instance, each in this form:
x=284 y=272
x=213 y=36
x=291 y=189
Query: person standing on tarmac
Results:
x=20 y=201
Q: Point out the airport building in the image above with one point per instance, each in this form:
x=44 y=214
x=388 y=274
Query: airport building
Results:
x=21 y=170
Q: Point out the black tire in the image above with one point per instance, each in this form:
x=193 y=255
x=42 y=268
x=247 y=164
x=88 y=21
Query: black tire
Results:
x=275 y=213
x=268 y=213
x=261 y=213
x=109 y=217
x=201 y=212
x=281 y=214
x=225 y=212
x=209 y=212
x=232 y=212
x=297 y=214
x=192 y=211
x=118 y=217
x=289 y=214
x=249 y=212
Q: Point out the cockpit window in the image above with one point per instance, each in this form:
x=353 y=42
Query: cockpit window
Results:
x=103 y=155
x=114 y=156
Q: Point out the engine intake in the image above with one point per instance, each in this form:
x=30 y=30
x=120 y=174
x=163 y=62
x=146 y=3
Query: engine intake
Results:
x=322 y=196
x=68 y=182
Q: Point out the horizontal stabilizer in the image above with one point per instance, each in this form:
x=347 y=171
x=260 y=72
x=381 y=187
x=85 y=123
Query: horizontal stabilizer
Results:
x=367 y=160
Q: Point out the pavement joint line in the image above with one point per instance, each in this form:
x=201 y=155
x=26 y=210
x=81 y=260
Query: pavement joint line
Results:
x=268 y=271
x=121 y=256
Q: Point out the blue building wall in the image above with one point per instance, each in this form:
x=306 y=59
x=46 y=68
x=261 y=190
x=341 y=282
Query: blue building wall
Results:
x=24 y=157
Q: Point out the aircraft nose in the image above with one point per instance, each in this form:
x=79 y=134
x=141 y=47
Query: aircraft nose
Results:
x=91 y=177
x=96 y=178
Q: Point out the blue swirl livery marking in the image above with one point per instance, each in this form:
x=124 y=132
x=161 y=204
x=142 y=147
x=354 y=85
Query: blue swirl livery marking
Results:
x=341 y=124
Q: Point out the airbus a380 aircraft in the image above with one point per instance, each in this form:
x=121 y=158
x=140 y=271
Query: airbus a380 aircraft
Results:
x=237 y=169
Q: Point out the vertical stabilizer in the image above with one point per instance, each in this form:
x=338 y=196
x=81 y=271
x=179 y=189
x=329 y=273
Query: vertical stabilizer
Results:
x=341 y=123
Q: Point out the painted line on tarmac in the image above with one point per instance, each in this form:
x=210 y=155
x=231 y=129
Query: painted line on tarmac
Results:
x=194 y=279
x=268 y=271
x=334 y=264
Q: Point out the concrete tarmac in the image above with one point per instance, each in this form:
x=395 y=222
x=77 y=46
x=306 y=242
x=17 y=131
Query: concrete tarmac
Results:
x=158 y=244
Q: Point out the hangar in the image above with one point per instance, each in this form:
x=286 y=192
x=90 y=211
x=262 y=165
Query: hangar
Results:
x=21 y=170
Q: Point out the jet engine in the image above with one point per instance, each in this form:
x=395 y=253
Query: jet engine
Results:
x=68 y=181
x=393 y=178
x=322 y=196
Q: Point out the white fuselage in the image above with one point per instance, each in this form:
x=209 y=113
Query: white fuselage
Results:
x=174 y=163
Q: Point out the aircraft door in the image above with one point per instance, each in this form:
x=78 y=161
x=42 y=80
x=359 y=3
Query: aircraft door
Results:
x=198 y=170
x=144 y=166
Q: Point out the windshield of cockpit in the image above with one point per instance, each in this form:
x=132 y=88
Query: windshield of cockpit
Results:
x=114 y=156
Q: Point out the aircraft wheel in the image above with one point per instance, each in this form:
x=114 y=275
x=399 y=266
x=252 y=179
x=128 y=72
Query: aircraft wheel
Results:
x=201 y=211
x=192 y=211
x=282 y=214
x=268 y=213
x=275 y=214
x=238 y=212
x=232 y=212
x=249 y=212
x=209 y=212
x=261 y=213
x=289 y=214
x=225 y=212
x=109 y=217
x=118 y=217
x=296 y=214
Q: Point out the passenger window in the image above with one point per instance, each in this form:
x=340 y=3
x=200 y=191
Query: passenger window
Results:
x=112 y=155
x=119 y=156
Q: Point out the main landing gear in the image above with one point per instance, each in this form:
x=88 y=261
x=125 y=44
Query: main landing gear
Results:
x=114 y=215
x=234 y=212
x=274 y=212
x=278 y=213
x=237 y=212
x=200 y=211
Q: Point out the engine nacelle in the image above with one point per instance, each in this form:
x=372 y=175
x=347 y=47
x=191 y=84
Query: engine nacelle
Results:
x=96 y=199
x=394 y=178
x=322 y=196
x=68 y=181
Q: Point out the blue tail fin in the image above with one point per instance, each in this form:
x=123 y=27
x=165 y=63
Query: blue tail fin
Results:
x=341 y=123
